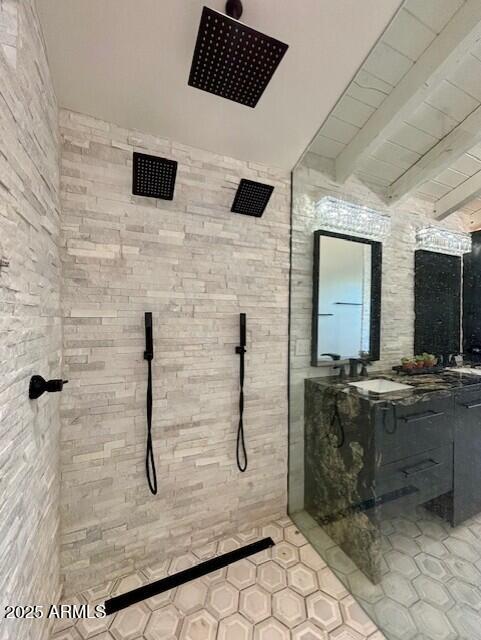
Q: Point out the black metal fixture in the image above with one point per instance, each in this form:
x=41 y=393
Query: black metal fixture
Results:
x=231 y=60
x=353 y=367
x=117 y=603
x=153 y=177
x=38 y=386
x=251 y=198
x=241 y=350
x=234 y=8
x=149 y=356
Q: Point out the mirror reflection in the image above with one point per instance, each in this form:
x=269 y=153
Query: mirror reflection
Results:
x=346 y=297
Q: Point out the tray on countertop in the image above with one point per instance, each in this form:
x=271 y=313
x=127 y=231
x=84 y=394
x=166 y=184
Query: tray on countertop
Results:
x=418 y=371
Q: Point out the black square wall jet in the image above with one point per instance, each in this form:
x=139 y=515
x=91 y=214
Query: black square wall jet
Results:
x=251 y=198
x=232 y=60
x=153 y=177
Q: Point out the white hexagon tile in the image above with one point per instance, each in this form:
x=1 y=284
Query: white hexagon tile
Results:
x=430 y=587
x=430 y=590
x=283 y=593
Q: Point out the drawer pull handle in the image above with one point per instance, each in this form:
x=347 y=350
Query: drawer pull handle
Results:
x=424 y=465
x=418 y=417
x=472 y=405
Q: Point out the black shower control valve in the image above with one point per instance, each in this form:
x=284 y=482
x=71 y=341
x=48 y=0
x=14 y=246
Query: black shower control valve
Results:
x=233 y=8
x=241 y=452
x=38 y=386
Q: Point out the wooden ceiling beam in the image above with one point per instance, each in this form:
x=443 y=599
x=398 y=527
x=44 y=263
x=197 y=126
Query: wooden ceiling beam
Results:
x=458 y=197
x=438 y=61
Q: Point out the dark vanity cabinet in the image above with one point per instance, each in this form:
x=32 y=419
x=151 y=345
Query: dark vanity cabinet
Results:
x=404 y=430
x=467 y=456
x=429 y=453
x=369 y=459
x=414 y=451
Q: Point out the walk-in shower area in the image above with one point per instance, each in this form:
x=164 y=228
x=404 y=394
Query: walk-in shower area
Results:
x=240 y=320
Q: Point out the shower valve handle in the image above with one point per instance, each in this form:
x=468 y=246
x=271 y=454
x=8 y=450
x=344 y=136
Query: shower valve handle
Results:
x=149 y=337
x=38 y=386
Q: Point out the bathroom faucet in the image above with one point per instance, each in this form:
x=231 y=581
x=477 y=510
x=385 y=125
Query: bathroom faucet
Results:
x=336 y=357
x=448 y=359
x=353 y=367
x=365 y=363
x=353 y=362
x=342 y=370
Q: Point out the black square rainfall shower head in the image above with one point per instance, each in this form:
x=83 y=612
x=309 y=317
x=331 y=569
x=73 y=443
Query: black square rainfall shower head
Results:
x=153 y=177
x=251 y=198
x=232 y=60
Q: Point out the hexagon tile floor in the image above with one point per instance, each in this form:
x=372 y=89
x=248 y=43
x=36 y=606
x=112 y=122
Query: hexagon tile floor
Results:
x=283 y=593
x=431 y=587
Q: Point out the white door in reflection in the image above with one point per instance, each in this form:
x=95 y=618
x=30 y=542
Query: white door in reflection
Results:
x=344 y=297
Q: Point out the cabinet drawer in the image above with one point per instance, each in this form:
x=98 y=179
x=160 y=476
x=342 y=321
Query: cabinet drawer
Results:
x=416 y=479
x=469 y=399
x=405 y=430
x=467 y=455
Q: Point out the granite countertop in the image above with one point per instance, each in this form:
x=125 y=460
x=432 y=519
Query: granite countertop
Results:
x=422 y=386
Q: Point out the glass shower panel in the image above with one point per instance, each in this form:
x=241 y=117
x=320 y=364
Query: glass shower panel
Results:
x=384 y=483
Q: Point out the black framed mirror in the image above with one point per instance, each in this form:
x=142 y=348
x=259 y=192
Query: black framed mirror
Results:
x=437 y=303
x=346 y=297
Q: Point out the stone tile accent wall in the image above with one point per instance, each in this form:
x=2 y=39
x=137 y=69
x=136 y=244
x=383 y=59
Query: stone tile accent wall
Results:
x=9 y=30
x=195 y=265
x=397 y=317
x=30 y=322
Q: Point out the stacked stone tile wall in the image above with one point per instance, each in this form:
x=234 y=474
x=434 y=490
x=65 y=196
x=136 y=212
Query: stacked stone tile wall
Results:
x=195 y=266
x=9 y=18
x=30 y=322
x=397 y=316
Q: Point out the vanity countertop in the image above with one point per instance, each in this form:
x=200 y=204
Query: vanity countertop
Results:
x=422 y=386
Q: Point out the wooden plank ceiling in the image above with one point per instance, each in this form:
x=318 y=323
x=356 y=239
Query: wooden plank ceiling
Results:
x=410 y=121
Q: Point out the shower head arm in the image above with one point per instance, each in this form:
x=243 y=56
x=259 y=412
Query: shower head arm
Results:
x=233 y=9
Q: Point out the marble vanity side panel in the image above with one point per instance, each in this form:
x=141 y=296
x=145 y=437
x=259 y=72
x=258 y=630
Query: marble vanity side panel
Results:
x=339 y=472
x=397 y=314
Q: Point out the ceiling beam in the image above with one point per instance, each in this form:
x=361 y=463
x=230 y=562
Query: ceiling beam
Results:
x=439 y=60
x=475 y=221
x=464 y=137
x=458 y=197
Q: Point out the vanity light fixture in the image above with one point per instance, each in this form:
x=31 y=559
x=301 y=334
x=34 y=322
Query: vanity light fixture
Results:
x=443 y=241
x=333 y=214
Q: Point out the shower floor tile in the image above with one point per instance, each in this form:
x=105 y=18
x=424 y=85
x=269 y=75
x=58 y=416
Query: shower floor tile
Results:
x=283 y=593
x=431 y=587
